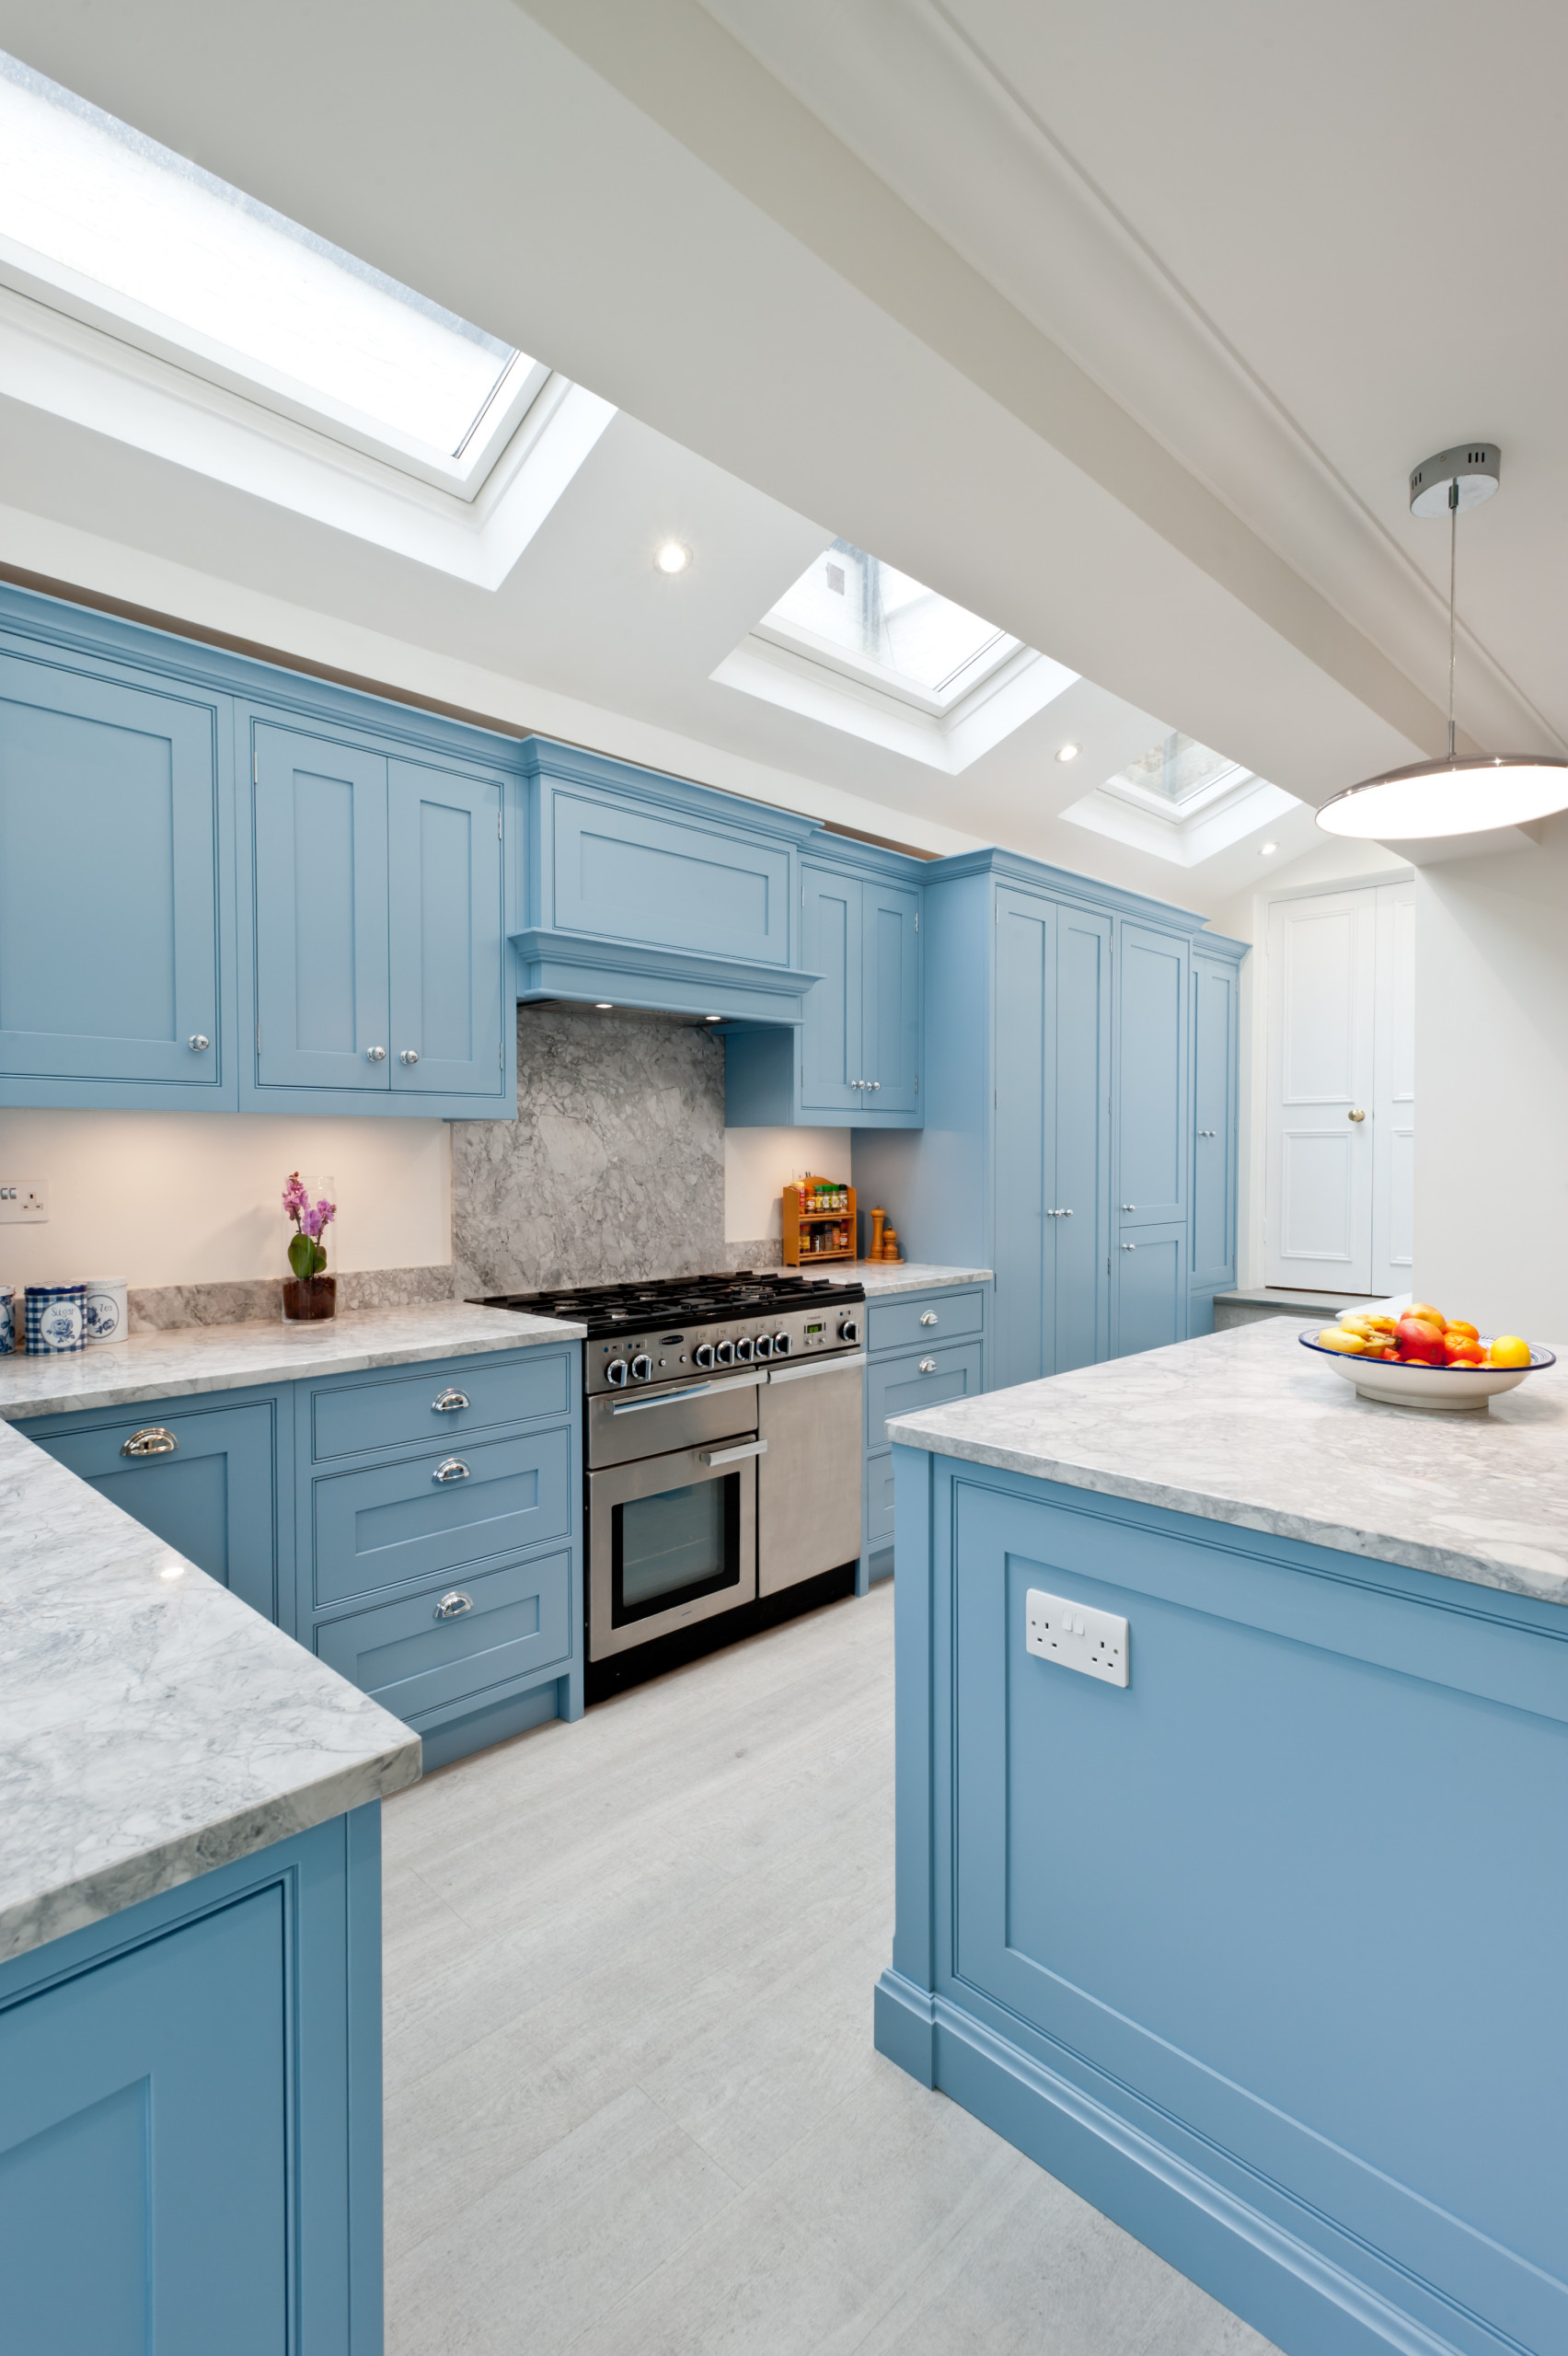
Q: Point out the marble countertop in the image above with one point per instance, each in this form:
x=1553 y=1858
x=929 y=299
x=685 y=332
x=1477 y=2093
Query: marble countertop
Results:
x=1245 y=1427
x=188 y=1359
x=882 y=1277
x=151 y=1726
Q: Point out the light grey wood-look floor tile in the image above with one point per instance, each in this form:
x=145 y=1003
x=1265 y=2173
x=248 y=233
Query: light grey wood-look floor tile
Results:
x=632 y=2100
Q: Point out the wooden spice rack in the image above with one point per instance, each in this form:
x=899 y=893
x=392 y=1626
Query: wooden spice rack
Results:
x=802 y=1226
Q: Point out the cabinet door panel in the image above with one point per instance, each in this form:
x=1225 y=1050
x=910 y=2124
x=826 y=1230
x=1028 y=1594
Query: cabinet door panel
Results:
x=1025 y=1145
x=321 y=954
x=108 y=885
x=1215 y=1037
x=891 y=1025
x=1152 y=1289
x=1081 y=1320
x=143 y=2113
x=831 y=945
x=517 y=1620
x=679 y=883
x=1152 y=1082
x=213 y=1499
x=443 y=854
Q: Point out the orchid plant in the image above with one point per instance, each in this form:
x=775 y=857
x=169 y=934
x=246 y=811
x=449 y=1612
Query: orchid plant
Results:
x=307 y=1253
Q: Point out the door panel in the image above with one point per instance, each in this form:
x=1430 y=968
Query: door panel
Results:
x=1152 y=1289
x=213 y=1499
x=321 y=949
x=516 y=1621
x=1081 y=1311
x=143 y=2176
x=443 y=864
x=1216 y=1035
x=108 y=891
x=1025 y=1149
x=1151 y=1179
x=679 y=883
x=832 y=945
x=1393 y=1092
x=891 y=1023
x=1323 y=978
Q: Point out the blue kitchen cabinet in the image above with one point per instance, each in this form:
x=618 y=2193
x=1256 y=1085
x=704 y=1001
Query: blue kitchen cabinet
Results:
x=830 y=1045
x=923 y=1349
x=1216 y=1032
x=1151 y=1077
x=211 y=1476
x=444 y=871
x=890 y=1000
x=115 y=904
x=190 y=2116
x=1149 y=1289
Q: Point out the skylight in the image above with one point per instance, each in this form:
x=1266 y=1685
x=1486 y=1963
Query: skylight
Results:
x=1177 y=769
x=891 y=630
x=110 y=226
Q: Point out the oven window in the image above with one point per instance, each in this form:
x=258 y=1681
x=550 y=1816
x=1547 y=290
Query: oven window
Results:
x=674 y=1547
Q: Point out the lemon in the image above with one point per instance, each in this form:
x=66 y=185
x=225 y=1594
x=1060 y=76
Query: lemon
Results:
x=1508 y=1349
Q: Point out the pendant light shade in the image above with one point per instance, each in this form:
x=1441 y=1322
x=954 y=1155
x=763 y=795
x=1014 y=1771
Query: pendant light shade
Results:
x=1456 y=796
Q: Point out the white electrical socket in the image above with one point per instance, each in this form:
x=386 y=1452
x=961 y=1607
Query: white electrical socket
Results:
x=1075 y=1635
x=19 y=1202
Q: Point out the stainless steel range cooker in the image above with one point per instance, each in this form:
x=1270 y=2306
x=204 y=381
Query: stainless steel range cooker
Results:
x=723 y=1448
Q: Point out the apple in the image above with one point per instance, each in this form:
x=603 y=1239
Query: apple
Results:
x=1419 y=1340
x=1423 y=1309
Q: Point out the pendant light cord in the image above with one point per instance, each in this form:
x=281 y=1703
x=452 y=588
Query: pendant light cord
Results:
x=1453 y=551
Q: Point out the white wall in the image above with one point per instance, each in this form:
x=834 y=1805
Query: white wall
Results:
x=1492 y=1078
x=164 y=1198
x=758 y=1165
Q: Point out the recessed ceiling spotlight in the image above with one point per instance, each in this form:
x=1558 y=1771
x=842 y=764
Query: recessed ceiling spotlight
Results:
x=1267 y=851
x=1066 y=753
x=603 y=1006
x=673 y=557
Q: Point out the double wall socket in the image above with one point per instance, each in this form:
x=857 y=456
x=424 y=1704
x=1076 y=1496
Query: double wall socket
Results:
x=19 y=1201
x=1075 y=1635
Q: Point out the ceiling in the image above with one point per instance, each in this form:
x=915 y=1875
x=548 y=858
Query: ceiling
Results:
x=1120 y=326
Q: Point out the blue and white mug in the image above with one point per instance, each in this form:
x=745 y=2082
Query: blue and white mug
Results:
x=54 y=1319
x=8 y=1321
x=104 y=1311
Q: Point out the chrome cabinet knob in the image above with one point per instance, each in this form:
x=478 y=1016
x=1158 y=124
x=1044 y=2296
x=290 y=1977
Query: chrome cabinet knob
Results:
x=454 y=1604
x=1357 y=1116
x=409 y=1056
x=451 y=1467
x=926 y=1365
x=876 y=1083
x=927 y=1317
x=1129 y=1207
x=1129 y=1247
x=1066 y=1214
x=375 y=1054
x=153 y=1439
x=448 y=1402
x=198 y=1043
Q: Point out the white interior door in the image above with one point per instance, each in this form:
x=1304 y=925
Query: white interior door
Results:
x=1322 y=985
x=1393 y=1091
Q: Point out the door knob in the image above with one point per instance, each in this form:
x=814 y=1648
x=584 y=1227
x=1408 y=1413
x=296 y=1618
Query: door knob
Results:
x=1129 y=1207
x=409 y=1056
x=375 y=1054
x=1357 y=1116
x=1129 y=1247
x=198 y=1043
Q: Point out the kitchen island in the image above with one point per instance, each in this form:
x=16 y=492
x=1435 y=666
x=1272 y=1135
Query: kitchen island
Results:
x=1263 y=1950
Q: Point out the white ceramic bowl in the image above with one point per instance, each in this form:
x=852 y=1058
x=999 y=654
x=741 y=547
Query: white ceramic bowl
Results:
x=1451 y=1389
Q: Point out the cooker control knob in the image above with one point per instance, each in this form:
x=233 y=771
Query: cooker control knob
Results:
x=703 y=1355
x=781 y=1346
x=642 y=1367
x=849 y=1329
x=615 y=1373
x=725 y=1354
x=764 y=1346
x=744 y=1350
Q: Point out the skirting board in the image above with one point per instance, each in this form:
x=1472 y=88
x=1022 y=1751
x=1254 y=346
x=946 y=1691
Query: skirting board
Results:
x=1285 y=2290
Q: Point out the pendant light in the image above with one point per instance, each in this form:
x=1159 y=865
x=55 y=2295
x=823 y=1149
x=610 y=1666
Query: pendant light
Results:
x=1458 y=795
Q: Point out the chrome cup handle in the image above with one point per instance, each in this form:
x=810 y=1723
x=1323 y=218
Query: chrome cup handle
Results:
x=454 y=1604
x=153 y=1439
x=451 y=1467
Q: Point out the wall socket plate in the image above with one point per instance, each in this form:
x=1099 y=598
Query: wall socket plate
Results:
x=1075 y=1635
x=20 y=1201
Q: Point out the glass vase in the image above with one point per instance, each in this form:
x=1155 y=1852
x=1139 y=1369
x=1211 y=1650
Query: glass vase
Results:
x=305 y=1299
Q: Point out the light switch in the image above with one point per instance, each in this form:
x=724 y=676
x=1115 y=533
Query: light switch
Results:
x=20 y=1202
x=1075 y=1635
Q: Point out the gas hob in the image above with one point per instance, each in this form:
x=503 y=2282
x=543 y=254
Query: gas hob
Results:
x=681 y=1326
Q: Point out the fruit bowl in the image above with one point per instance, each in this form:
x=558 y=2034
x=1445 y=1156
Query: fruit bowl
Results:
x=1453 y=1390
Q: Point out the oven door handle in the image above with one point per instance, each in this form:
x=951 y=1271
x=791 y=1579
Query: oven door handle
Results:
x=696 y=1391
x=841 y=1365
x=733 y=1455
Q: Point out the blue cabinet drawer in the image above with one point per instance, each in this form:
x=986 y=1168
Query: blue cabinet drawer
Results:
x=398 y=1411
x=899 y=1386
x=414 y=1657
x=391 y=1523
x=925 y=1317
x=879 y=1500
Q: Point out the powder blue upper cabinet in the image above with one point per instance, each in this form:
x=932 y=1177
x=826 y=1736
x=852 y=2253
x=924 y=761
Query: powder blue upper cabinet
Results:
x=1215 y=1047
x=890 y=967
x=831 y=945
x=376 y=898
x=444 y=845
x=114 y=907
x=319 y=814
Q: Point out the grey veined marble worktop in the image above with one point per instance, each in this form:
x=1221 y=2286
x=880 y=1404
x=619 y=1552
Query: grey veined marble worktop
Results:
x=151 y=1726
x=884 y=1278
x=1247 y=1427
x=188 y=1359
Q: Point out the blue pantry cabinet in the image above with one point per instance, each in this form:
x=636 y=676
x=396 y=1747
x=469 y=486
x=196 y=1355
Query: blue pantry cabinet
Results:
x=1216 y=1044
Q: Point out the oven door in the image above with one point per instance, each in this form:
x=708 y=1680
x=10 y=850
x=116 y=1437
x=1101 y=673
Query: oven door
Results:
x=671 y=1540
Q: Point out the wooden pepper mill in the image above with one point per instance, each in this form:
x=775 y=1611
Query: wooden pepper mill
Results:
x=878 y=1219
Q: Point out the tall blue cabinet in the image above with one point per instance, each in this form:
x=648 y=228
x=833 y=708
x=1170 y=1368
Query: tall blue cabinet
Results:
x=1077 y=1040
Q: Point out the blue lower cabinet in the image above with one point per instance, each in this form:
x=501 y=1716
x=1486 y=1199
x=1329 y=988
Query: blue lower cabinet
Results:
x=386 y=1525
x=1149 y=1298
x=451 y=1647
x=442 y=1402
x=924 y=1348
x=189 y=2116
x=205 y=1479
x=921 y=1378
x=878 y=1501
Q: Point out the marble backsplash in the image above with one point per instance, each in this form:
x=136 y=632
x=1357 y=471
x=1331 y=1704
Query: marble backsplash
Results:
x=163 y=1308
x=614 y=1169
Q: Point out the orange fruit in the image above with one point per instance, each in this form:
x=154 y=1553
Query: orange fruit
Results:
x=1508 y=1349
x=1336 y=1337
x=1462 y=1325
